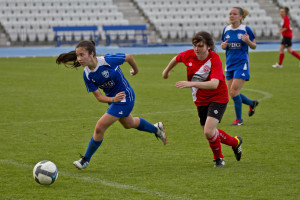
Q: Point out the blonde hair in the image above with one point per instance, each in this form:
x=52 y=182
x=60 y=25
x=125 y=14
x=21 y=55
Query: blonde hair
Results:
x=243 y=11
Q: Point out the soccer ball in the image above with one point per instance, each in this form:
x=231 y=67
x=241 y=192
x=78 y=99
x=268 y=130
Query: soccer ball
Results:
x=45 y=172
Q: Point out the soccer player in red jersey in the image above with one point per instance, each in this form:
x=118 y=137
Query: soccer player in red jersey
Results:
x=210 y=94
x=287 y=34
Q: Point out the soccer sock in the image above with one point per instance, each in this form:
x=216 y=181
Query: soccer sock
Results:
x=281 y=56
x=246 y=100
x=215 y=145
x=238 y=107
x=294 y=53
x=227 y=139
x=146 y=126
x=92 y=148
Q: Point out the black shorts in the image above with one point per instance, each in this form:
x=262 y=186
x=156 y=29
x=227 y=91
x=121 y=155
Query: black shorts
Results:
x=286 y=41
x=215 y=110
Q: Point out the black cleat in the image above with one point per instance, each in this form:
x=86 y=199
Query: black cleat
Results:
x=219 y=162
x=252 y=108
x=238 y=150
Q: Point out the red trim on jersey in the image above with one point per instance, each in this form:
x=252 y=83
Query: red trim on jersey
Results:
x=212 y=65
x=285 y=23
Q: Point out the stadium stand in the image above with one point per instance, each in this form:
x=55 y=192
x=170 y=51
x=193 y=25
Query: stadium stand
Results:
x=172 y=20
x=33 y=20
x=134 y=34
x=176 y=19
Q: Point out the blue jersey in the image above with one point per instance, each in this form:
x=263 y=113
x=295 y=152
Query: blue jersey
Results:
x=237 y=56
x=109 y=77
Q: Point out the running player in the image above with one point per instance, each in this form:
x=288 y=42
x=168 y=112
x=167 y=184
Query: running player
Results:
x=105 y=73
x=236 y=39
x=210 y=95
x=287 y=35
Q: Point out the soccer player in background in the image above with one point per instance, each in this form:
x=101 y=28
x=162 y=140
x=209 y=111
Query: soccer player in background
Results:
x=287 y=35
x=210 y=95
x=105 y=73
x=236 y=38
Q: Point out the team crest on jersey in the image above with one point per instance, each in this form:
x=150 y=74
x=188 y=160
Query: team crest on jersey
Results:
x=206 y=68
x=190 y=64
x=240 y=36
x=105 y=74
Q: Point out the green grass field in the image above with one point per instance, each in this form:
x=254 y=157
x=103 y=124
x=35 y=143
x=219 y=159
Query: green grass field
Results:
x=46 y=114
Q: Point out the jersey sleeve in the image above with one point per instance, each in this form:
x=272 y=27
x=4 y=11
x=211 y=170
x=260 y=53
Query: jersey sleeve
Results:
x=115 y=59
x=250 y=33
x=216 y=68
x=90 y=86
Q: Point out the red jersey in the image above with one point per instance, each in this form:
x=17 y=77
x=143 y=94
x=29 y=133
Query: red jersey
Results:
x=205 y=70
x=285 y=23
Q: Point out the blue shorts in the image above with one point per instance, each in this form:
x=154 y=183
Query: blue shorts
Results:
x=242 y=73
x=120 y=110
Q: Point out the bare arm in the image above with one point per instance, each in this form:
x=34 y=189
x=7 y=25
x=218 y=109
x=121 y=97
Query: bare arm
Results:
x=105 y=99
x=171 y=65
x=206 y=85
x=129 y=58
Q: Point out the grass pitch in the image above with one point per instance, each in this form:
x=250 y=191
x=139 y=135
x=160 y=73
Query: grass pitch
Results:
x=46 y=114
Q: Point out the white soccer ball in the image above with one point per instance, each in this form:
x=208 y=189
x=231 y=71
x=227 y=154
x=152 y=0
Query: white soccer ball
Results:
x=45 y=172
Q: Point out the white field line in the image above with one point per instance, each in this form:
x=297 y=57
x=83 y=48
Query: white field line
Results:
x=100 y=181
x=266 y=95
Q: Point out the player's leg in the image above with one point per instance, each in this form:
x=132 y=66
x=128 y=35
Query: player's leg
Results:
x=294 y=53
x=281 y=55
x=234 y=92
x=214 y=140
x=103 y=123
x=143 y=125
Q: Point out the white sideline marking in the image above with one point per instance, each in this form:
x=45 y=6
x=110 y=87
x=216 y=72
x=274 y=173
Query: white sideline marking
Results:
x=102 y=182
x=266 y=95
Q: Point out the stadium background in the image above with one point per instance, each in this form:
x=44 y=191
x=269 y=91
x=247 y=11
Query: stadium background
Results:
x=27 y=23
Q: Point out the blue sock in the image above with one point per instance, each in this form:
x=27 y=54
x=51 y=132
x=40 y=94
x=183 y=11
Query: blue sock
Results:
x=92 y=148
x=238 y=107
x=246 y=100
x=146 y=126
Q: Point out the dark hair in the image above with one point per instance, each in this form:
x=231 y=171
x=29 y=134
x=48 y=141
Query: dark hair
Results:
x=70 y=59
x=204 y=37
x=286 y=9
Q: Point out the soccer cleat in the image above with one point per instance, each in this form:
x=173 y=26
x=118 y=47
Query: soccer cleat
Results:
x=219 y=162
x=237 y=123
x=81 y=163
x=252 y=108
x=277 y=66
x=238 y=149
x=161 y=134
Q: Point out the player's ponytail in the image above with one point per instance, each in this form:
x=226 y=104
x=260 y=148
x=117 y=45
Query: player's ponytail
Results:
x=70 y=59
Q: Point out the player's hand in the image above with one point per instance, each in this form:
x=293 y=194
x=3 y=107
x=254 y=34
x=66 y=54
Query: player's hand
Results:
x=224 y=44
x=245 y=38
x=133 y=72
x=119 y=97
x=183 y=84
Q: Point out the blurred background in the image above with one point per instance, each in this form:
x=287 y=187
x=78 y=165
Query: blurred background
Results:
x=31 y=22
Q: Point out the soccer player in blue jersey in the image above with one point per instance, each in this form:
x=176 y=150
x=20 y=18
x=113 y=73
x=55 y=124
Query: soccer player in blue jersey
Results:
x=105 y=73
x=236 y=38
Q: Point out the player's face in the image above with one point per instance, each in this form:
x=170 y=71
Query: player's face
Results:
x=201 y=49
x=282 y=12
x=83 y=56
x=235 y=16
